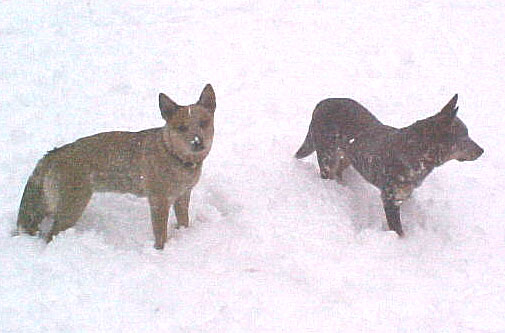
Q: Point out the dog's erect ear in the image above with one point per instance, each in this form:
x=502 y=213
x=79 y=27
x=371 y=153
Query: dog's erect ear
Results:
x=208 y=98
x=167 y=106
x=450 y=109
x=446 y=116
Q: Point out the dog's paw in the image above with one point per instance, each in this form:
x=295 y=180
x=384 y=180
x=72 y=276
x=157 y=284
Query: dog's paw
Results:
x=394 y=235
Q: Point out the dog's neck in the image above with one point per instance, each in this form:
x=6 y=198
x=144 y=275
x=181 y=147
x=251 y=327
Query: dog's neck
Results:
x=190 y=165
x=186 y=164
x=430 y=154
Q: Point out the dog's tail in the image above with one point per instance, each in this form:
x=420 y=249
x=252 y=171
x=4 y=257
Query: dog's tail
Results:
x=32 y=209
x=307 y=147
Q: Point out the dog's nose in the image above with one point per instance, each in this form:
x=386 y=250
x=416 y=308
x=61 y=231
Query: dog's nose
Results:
x=197 y=143
x=480 y=151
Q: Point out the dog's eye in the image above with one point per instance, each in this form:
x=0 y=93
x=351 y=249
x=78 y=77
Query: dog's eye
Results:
x=204 y=123
x=182 y=128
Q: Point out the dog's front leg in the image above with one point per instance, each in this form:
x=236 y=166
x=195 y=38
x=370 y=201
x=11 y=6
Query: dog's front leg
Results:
x=159 y=217
x=392 y=211
x=181 y=210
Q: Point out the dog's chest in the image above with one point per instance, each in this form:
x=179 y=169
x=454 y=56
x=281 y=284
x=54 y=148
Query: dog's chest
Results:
x=176 y=176
x=414 y=173
x=402 y=184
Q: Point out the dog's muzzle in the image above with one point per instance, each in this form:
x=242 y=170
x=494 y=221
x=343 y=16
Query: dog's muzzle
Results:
x=468 y=150
x=197 y=143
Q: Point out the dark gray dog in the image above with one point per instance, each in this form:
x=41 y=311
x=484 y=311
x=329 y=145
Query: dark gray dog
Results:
x=396 y=161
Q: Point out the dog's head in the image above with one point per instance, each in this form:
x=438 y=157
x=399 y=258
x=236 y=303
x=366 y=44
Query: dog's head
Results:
x=189 y=130
x=445 y=137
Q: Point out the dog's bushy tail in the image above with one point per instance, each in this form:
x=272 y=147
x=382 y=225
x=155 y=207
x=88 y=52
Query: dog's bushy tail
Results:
x=32 y=209
x=307 y=147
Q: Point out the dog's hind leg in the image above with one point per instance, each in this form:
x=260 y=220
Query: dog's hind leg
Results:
x=328 y=163
x=332 y=163
x=71 y=204
x=343 y=162
x=32 y=209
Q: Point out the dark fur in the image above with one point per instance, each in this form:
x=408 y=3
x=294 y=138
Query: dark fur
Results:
x=162 y=164
x=396 y=161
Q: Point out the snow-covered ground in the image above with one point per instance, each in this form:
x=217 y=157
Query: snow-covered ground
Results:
x=272 y=247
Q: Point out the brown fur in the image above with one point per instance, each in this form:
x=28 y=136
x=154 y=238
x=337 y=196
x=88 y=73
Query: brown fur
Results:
x=162 y=164
x=396 y=161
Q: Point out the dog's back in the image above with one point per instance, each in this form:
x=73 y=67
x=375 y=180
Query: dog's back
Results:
x=336 y=121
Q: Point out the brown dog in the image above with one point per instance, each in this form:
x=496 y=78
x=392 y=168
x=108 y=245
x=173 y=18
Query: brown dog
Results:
x=396 y=161
x=162 y=164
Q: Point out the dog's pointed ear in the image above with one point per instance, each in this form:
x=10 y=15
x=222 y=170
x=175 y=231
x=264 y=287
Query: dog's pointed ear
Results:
x=448 y=113
x=208 y=98
x=167 y=106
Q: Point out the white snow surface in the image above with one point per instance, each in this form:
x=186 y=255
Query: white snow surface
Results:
x=271 y=246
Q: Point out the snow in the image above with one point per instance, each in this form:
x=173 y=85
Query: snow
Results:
x=271 y=246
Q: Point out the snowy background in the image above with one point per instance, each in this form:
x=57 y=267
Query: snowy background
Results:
x=271 y=246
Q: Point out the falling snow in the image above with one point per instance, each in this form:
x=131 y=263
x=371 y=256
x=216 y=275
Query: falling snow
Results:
x=271 y=246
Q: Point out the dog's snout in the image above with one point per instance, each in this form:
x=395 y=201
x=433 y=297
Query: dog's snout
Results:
x=470 y=151
x=197 y=143
x=479 y=152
